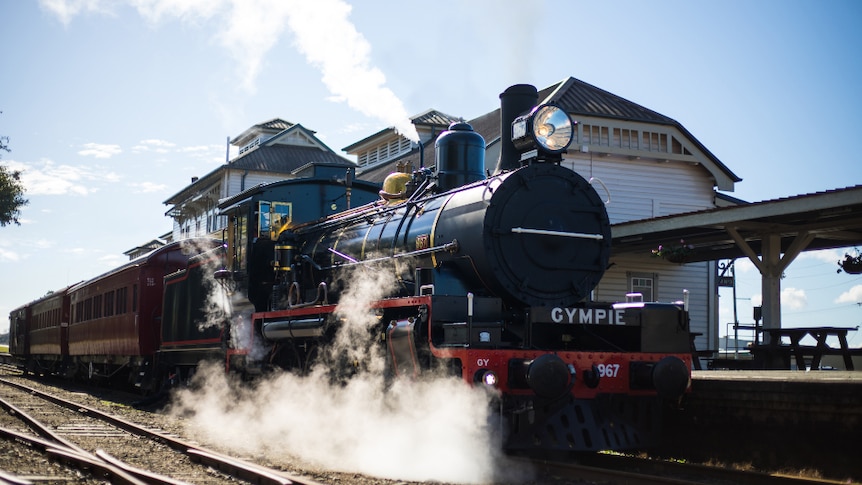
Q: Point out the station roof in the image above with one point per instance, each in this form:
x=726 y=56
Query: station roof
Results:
x=829 y=219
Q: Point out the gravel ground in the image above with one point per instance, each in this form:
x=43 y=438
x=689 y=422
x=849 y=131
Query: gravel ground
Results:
x=17 y=459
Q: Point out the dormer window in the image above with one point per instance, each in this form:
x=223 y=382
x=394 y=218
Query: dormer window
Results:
x=384 y=152
x=250 y=145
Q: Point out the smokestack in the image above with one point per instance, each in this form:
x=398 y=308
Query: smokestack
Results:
x=515 y=101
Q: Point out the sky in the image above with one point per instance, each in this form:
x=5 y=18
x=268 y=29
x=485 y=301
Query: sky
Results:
x=112 y=106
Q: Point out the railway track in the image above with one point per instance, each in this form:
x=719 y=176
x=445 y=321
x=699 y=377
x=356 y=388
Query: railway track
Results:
x=107 y=447
x=174 y=460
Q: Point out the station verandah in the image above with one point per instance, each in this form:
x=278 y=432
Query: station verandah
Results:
x=770 y=233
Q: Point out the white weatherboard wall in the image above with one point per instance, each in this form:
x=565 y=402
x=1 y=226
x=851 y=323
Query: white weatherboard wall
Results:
x=640 y=188
x=670 y=281
x=643 y=189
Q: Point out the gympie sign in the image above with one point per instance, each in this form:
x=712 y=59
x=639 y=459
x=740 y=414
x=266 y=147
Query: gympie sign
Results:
x=578 y=316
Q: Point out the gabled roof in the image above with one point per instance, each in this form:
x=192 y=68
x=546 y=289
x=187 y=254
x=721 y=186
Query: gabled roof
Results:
x=577 y=98
x=430 y=117
x=274 y=156
x=273 y=126
x=284 y=158
x=435 y=118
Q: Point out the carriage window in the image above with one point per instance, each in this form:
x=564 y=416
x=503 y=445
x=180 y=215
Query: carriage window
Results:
x=97 y=306
x=122 y=295
x=109 y=303
x=88 y=308
x=134 y=298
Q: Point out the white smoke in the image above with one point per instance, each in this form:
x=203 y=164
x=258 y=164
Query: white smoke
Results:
x=430 y=429
x=329 y=41
x=222 y=306
x=249 y=29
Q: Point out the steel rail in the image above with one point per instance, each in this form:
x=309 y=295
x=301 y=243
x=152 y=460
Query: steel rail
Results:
x=250 y=471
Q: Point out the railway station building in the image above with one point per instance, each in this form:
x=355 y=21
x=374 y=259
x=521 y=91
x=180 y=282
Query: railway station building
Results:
x=267 y=152
x=674 y=225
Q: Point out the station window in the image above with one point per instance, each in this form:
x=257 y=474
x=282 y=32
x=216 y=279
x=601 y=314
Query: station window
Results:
x=643 y=283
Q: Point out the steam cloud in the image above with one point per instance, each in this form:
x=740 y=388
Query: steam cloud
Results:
x=427 y=429
x=249 y=29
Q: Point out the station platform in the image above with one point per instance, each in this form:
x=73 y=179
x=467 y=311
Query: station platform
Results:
x=786 y=418
x=809 y=399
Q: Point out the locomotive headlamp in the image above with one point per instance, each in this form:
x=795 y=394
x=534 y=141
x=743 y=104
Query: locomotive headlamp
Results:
x=546 y=128
x=486 y=377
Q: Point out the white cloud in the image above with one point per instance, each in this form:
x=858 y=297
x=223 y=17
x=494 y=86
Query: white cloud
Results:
x=196 y=149
x=207 y=153
x=148 y=187
x=158 y=146
x=824 y=255
x=188 y=10
x=48 y=178
x=744 y=265
x=794 y=298
x=66 y=9
x=853 y=295
x=113 y=260
x=756 y=299
x=7 y=256
x=322 y=30
x=99 y=150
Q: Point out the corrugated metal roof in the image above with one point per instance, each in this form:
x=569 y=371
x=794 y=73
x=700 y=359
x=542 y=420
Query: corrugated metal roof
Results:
x=272 y=126
x=284 y=158
x=832 y=217
x=434 y=117
x=431 y=117
x=579 y=97
x=576 y=97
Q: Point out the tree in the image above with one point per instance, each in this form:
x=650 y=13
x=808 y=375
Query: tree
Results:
x=11 y=190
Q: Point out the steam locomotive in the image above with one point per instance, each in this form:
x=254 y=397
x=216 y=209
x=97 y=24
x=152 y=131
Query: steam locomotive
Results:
x=490 y=280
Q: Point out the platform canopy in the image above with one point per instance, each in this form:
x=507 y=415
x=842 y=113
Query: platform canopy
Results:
x=770 y=233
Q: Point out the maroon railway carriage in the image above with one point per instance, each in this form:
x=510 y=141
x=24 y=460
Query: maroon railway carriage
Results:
x=48 y=328
x=38 y=332
x=116 y=317
x=18 y=334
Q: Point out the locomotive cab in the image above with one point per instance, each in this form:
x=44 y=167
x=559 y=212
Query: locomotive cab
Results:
x=257 y=262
